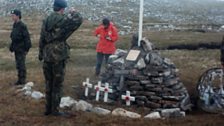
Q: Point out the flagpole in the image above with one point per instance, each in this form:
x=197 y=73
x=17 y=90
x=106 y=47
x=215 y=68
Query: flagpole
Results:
x=140 y=21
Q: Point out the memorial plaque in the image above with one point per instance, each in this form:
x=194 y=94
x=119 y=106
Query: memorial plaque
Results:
x=133 y=55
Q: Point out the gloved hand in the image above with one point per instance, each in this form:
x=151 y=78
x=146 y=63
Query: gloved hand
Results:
x=72 y=10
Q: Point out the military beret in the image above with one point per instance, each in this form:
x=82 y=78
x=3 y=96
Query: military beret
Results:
x=16 y=12
x=60 y=3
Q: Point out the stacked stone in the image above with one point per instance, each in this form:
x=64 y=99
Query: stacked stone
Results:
x=151 y=79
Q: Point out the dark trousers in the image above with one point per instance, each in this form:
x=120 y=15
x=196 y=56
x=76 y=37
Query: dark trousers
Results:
x=20 y=58
x=99 y=61
x=54 y=77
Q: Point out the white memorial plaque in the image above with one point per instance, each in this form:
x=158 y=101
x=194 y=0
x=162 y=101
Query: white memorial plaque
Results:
x=133 y=55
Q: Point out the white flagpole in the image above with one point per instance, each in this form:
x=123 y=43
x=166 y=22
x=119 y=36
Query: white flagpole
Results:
x=140 y=21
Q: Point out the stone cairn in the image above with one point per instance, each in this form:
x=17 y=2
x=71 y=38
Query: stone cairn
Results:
x=151 y=79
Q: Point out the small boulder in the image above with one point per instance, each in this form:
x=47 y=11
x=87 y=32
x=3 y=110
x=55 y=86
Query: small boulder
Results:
x=67 y=102
x=172 y=113
x=153 y=115
x=83 y=106
x=125 y=113
x=37 y=95
x=100 y=111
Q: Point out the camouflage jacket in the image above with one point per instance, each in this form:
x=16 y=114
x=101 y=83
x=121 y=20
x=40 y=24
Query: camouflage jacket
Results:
x=55 y=30
x=20 y=38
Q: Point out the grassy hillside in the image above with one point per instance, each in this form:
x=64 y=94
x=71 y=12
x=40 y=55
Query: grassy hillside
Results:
x=23 y=111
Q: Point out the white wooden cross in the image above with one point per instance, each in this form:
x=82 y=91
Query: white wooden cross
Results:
x=106 y=91
x=128 y=98
x=98 y=88
x=87 y=85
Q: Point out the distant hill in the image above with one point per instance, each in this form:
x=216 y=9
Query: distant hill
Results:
x=178 y=11
x=125 y=12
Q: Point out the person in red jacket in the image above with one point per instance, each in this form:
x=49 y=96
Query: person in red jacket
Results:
x=108 y=35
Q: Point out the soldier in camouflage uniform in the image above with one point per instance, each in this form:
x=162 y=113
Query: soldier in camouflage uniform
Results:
x=20 y=45
x=54 y=50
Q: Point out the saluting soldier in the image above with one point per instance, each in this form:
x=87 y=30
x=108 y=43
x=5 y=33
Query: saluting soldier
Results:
x=54 y=51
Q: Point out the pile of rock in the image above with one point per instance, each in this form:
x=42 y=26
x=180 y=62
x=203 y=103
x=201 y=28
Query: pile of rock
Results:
x=151 y=79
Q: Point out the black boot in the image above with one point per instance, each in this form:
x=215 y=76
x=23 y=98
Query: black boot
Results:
x=48 y=106
x=48 y=110
x=62 y=114
x=56 y=112
x=18 y=82
x=46 y=113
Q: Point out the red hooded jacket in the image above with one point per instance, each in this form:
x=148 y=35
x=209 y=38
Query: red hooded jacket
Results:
x=107 y=39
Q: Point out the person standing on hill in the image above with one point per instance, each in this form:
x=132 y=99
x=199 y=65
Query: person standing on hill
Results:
x=54 y=51
x=20 y=45
x=108 y=35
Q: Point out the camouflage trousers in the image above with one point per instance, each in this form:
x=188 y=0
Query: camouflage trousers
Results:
x=20 y=58
x=54 y=77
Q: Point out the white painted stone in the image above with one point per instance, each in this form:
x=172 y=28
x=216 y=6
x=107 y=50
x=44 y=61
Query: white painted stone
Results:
x=183 y=114
x=175 y=112
x=37 y=95
x=67 y=102
x=153 y=115
x=125 y=113
x=28 y=93
x=27 y=87
x=100 y=111
x=83 y=106
x=30 y=84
